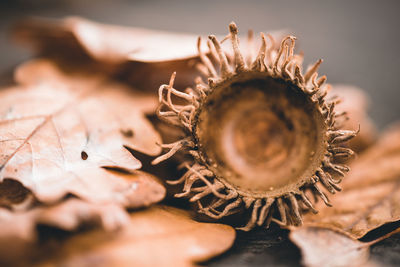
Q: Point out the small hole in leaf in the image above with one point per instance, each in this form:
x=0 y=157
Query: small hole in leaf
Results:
x=127 y=133
x=84 y=155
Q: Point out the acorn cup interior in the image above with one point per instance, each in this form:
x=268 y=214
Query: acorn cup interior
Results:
x=261 y=135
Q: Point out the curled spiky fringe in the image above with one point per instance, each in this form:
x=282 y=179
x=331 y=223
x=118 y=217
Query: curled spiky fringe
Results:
x=199 y=182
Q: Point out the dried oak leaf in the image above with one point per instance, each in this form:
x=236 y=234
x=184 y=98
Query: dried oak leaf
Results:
x=325 y=247
x=60 y=129
x=371 y=191
x=130 y=53
x=158 y=236
x=19 y=234
x=134 y=52
x=108 y=43
x=355 y=102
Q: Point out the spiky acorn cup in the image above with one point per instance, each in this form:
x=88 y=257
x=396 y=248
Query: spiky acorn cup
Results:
x=261 y=134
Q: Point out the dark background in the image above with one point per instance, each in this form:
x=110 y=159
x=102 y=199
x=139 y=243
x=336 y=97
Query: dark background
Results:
x=358 y=40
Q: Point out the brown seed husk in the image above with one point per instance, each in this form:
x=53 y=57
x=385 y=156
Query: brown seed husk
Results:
x=261 y=134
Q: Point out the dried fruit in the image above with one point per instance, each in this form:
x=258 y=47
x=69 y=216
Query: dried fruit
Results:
x=261 y=133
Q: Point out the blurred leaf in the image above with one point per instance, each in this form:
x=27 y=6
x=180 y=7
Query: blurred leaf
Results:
x=109 y=43
x=158 y=236
x=143 y=57
x=18 y=236
x=325 y=247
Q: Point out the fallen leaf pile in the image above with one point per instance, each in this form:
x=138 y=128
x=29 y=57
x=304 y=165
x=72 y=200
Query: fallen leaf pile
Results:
x=75 y=117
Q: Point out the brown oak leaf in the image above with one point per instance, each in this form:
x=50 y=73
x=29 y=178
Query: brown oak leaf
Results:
x=60 y=129
x=67 y=215
x=143 y=57
x=158 y=236
x=371 y=191
x=108 y=43
x=19 y=235
x=325 y=247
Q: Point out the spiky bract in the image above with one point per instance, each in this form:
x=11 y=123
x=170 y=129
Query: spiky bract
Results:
x=261 y=134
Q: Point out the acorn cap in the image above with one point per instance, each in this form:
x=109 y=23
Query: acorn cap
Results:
x=262 y=134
